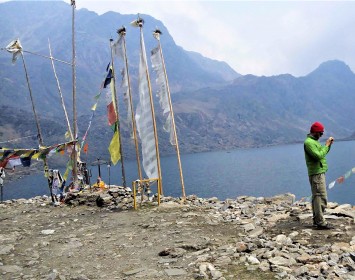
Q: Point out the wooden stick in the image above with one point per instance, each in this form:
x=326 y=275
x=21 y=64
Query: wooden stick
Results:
x=40 y=138
x=134 y=127
x=75 y=127
x=60 y=92
x=173 y=123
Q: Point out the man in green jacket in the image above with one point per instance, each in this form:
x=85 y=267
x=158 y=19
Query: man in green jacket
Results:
x=317 y=166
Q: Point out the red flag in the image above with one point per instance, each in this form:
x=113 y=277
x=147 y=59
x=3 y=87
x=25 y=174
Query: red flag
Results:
x=340 y=180
x=86 y=147
x=111 y=114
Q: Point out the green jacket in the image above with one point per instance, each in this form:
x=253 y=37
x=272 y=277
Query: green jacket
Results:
x=315 y=154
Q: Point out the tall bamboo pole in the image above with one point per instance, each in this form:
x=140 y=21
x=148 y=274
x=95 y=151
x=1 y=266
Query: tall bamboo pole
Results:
x=40 y=138
x=157 y=36
x=75 y=127
x=60 y=93
x=160 y=184
x=118 y=118
x=122 y=33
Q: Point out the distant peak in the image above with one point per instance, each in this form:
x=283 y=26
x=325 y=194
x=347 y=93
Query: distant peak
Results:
x=334 y=67
x=334 y=63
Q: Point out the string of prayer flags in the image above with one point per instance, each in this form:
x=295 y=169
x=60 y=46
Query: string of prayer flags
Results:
x=342 y=178
x=93 y=109
x=10 y=158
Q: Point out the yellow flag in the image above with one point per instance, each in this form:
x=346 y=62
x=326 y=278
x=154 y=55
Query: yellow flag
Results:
x=114 y=148
x=36 y=155
x=93 y=108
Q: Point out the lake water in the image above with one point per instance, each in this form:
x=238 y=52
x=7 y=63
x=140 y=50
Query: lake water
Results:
x=227 y=174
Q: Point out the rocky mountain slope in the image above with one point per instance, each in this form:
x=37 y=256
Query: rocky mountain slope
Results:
x=215 y=107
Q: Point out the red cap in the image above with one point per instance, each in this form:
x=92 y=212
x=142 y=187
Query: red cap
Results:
x=317 y=127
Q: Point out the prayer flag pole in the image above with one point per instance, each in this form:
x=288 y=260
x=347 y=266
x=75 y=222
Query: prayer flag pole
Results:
x=117 y=115
x=156 y=35
x=40 y=138
x=140 y=23
x=122 y=33
x=75 y=126
x=60 y=92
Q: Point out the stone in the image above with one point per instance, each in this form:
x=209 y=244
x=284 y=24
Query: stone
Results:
x=6 y=249
x=10 y=268
x=133 y=271
x=47 y=231
x=281 y=261
x=175 y=271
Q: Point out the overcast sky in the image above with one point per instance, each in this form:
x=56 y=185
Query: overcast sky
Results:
x=253 y=37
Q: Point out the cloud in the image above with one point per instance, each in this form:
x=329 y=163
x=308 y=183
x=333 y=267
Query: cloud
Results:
x=257 y=37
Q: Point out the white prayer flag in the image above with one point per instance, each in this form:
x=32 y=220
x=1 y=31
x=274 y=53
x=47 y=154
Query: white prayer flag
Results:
x=119 y=50
x=144 y=119
x=162 y=92
x=331 y=185
x=15 y=48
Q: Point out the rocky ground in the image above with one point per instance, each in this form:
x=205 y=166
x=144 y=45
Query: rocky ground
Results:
x=243 y=238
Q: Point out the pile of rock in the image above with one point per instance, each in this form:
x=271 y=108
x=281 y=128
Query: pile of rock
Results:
x=301 y=252
x=114 y=197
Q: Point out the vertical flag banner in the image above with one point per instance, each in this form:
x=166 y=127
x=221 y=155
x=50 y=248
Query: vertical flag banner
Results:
x=109 y=86
x=162 y=92
x=144 y=119
x=119 y=50
x=114 y=147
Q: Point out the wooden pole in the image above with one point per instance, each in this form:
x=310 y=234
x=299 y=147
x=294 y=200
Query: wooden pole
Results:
x=60 y=92
x=173 y=121
x=118 y=118
x=160 y=185
x=40 y=138
x=134 y=127
x=75 y=127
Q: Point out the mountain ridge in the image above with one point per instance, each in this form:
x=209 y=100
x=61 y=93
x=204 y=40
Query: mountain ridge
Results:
x=215 y=107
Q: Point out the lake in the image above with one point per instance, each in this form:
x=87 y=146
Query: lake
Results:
x=226 y=174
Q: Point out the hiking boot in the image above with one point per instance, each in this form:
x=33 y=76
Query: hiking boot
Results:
x=324 y=227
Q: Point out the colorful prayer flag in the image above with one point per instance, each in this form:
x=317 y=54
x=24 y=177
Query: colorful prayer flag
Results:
x=111 y=114
x=86 y=147
x=347 y=174
x=331 y=185
x=340 y=180
x=114 y=147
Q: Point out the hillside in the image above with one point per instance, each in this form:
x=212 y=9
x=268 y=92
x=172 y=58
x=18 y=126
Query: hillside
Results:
x=215 y=107
x=25 y=20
